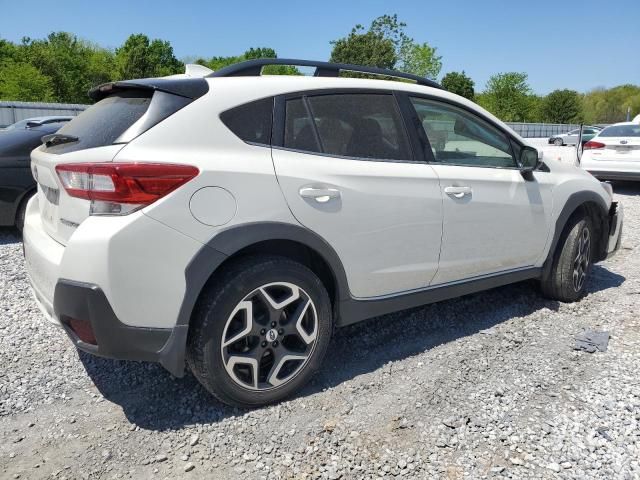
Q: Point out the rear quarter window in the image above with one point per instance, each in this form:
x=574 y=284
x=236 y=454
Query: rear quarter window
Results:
x=251 y=122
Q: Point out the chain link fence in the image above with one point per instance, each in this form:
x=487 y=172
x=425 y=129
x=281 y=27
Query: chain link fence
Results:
x=541 y=130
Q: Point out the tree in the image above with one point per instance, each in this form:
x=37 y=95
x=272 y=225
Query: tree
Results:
x=216 y=63
x=140 y=57
x=459 y=83
x=24 y=82
x=610 y=106
x=562 y=106
x=386 y=45
x=507 y=96
x=65 y=60
x=421 y=59
x=364 y=48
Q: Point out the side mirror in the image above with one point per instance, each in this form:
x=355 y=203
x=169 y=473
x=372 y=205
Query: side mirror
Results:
x=530 y=160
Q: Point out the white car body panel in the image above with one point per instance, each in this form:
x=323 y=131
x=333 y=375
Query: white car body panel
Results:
x=386 y=226
x=502 y=224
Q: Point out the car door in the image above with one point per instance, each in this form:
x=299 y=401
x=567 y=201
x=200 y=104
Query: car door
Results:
x=494 y=219
x=345 y=165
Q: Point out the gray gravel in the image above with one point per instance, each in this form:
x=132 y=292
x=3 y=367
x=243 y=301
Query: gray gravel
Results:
x=487 y=386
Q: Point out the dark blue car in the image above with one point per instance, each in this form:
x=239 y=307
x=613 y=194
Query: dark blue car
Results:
x=16 y=182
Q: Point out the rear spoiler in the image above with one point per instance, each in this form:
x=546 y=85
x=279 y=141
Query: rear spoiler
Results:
x=185 y=87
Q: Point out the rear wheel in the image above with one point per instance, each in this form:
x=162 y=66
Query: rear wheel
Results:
x=572 y=261
x=260 y=331
x=558 y=142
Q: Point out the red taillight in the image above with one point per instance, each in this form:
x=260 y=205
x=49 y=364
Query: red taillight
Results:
x=128 y=183
x=591 y=145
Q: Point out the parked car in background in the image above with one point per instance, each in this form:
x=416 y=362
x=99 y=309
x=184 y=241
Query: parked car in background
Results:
x=614 y=154
x=571 y=138
x=16 y=181
x=37 y=121
x=231 y=221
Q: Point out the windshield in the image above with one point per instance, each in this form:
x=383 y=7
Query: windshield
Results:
x=621 y=131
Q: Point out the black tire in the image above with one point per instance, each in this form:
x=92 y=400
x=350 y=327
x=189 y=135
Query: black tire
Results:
x=221 y=297
x=558 y=142
x=21 y=212
x=561 y=283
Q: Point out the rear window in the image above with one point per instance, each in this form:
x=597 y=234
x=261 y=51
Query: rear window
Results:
x=621 y=131
x=252 y=121
x=102 y=123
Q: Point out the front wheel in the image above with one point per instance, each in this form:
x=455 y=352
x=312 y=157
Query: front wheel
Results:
x=558 y=142
x=572 y=262
x=260 y=331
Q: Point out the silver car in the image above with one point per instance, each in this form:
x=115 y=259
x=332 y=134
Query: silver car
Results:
x=571 y=138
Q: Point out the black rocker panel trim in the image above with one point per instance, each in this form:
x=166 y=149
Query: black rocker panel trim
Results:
x=355 y=310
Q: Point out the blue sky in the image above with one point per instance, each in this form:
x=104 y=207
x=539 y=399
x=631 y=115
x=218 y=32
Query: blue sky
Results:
x=572 y=44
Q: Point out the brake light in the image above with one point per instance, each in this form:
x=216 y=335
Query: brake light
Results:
x=591 y=145
x=120 y=188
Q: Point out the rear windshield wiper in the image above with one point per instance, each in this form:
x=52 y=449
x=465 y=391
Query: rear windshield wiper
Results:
x=58 y=139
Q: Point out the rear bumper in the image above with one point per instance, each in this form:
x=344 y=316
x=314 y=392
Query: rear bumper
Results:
x=84 y=302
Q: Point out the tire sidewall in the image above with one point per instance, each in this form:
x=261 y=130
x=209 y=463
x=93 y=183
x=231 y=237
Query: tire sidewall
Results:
x=569 y=253
x=219 y=310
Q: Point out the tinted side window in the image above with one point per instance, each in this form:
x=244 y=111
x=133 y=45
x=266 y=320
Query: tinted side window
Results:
x=360 y=125
x=251 y=122
x=299 y=132
x=458 y=137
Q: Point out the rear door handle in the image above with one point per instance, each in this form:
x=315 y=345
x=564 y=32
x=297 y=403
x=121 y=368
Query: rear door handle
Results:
x=457 y=192
x=320 y=195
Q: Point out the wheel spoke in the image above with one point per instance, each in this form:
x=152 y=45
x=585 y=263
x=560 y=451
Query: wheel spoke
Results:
x=273 y=303
x=281 y=358
x=246 y=307
x=248 y=360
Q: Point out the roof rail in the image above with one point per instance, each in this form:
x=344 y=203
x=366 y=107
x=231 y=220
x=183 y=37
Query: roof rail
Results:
x=253 y=68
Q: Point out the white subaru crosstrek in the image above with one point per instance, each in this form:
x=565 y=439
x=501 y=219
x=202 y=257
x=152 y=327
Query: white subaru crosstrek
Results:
x=229 y=222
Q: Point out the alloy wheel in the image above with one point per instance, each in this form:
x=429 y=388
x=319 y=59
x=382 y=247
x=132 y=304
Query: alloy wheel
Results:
x=582 y=260
x=269 y=336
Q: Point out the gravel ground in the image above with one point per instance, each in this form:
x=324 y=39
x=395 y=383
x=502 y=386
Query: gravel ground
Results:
x=486 y=386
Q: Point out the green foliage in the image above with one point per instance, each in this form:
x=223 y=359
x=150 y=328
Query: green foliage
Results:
x=610 y=106
x=216 y=63
x=386 y=45
x=140 y=57
x=459 y=83
x=562 y=106
x=507 y=96
x=421 y=59
x=24 y=82
x=364 y=48
x=66 y=61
